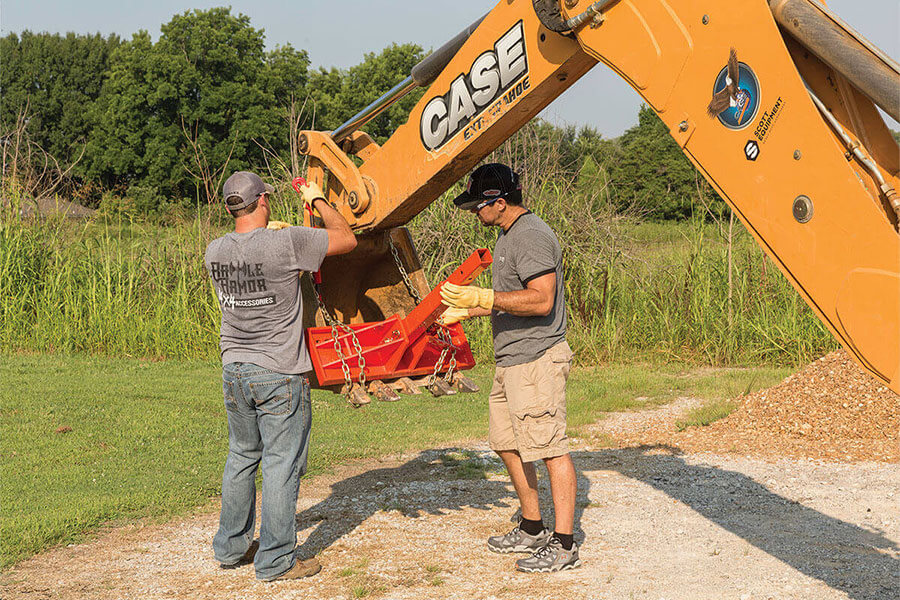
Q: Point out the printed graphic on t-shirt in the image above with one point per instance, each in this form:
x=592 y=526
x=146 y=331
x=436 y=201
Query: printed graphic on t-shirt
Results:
x=235 y=281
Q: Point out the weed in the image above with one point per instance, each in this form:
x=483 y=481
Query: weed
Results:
x=393 y=506
x=470 y=470
x=602 y=440
x=466 y=464
x=706 y=414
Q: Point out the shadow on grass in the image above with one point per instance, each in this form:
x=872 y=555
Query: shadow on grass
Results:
x=840 y=554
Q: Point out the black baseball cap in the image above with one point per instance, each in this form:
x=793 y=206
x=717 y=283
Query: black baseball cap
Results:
x=488 y=183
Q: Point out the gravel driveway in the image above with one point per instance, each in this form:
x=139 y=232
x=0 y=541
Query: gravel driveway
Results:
x=654 y=523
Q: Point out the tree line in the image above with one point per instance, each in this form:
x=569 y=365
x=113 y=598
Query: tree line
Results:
x=162 y=121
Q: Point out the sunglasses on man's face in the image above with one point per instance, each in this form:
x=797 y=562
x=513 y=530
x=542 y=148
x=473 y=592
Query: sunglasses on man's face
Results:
x=481 y=205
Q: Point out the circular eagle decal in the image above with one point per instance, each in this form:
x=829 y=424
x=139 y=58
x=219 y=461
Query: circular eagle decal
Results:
x=735 y=95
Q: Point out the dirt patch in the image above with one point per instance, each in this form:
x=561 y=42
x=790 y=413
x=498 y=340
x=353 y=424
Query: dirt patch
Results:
x=652 y=523
x=831 y=409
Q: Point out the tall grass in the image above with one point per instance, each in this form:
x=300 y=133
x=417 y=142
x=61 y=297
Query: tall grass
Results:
x=634 y=291
x=113 y=288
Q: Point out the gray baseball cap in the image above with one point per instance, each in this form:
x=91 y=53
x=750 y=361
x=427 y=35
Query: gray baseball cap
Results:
x=247 y=186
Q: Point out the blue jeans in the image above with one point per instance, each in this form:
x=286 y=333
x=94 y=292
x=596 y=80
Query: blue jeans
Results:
x=269 y=418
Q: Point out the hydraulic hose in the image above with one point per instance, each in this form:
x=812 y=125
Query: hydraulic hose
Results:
x=840 y=47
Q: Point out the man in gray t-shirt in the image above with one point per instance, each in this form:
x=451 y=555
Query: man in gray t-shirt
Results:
x=256 y=274
x=527 y=403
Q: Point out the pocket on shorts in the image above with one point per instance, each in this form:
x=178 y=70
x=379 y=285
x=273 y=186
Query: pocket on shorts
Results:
x=560 y=357
x=273 y=396
x=561 y=353
x=539 y=427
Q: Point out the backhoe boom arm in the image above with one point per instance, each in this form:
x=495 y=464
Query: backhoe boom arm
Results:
x=791 y=143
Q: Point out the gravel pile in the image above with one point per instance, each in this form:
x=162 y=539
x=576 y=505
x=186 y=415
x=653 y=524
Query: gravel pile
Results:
x=831 y=409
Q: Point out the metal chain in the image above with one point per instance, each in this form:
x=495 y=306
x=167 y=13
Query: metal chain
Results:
x=413 y=291
x=437 y=366
x=335 y=325
x=443 y=335
x=448 y=377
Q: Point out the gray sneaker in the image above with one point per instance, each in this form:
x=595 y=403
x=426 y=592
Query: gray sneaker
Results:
x=550 y=558
x=518 y=541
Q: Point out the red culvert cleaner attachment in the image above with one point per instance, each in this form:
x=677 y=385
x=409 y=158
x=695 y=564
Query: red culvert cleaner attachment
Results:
x=398 y=347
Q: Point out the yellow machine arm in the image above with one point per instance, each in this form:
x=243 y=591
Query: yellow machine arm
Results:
x=773 y=102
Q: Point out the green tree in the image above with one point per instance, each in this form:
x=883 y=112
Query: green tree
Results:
x=205 y=93
x=651 y=172
x=337 y=95
x=58 y=78
x=590 y=178
x=589 y=143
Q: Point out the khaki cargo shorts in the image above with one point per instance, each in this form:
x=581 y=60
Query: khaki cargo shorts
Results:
x=527 y=406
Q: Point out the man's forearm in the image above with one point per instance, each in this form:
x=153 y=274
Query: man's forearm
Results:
x=536 y=300
x=331 y=218
x=523 y=303
x=340 y=237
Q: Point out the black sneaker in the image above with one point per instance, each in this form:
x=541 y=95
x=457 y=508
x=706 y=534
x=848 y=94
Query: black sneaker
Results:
x=518 y=541
x=550 y=558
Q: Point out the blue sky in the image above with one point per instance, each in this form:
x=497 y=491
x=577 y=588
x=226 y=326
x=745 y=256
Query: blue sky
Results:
x=339 y=32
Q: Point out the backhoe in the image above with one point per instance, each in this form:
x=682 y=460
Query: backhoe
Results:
x=774 y=102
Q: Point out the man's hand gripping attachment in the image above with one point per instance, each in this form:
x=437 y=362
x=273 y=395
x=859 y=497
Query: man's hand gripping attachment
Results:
x=310 y=191
x=452 y=316
x=460 y=298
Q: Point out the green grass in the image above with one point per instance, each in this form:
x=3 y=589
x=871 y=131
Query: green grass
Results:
x=148 y=439
x=106 y=287
x=707 y=413
x=465 y=465
x=610 y=388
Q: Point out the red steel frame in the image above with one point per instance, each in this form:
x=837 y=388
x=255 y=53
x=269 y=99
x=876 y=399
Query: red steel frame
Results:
x=398 y=347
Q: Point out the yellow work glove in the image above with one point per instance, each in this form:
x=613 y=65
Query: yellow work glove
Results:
x=310 y=192
x=451 y=316
x=277 y=225
x=467 y=296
